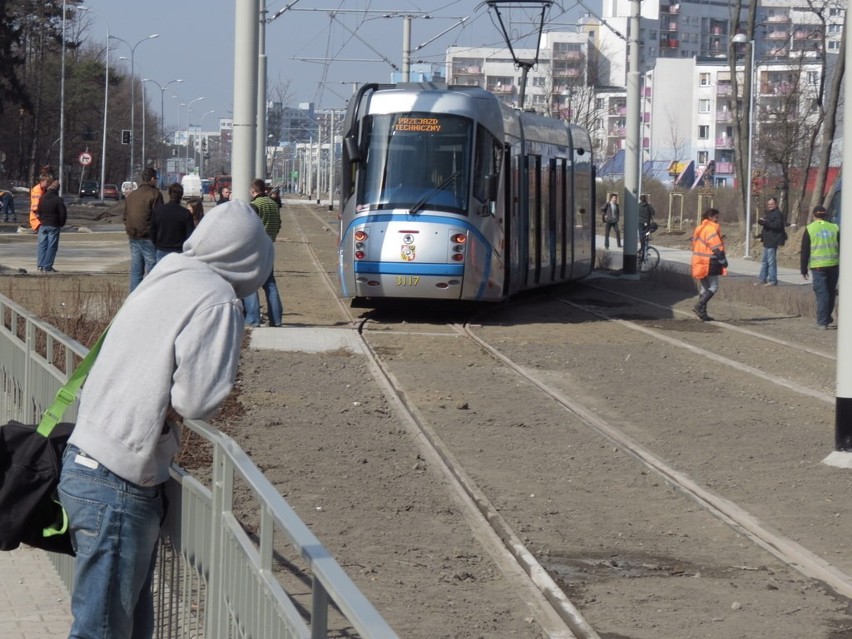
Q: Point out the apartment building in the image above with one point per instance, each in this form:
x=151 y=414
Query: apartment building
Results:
x=687 y=100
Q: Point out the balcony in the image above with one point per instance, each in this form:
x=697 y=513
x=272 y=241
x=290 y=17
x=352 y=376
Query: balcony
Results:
x=724 y=143
x=724 y=168
x=501 y=89
x=724 y=89
x=778 y=35
x=616 y=132
x=725 y=117
x=782 y=18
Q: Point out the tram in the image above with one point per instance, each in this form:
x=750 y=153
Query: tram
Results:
x=448 y=194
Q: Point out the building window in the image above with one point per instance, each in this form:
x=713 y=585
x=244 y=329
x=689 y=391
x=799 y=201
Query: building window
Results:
x=703 y=132
x=704 y=79
x=703 y=156
x=813 y=78
x=832 y=45
x=704 y=106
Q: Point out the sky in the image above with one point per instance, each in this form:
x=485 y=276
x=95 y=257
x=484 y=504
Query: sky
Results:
x=316 y=49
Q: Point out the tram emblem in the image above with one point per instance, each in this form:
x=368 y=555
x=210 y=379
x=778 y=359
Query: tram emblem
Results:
x=407 y=249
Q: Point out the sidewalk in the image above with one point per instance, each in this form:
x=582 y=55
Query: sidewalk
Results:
x=33 y=602
x=738 y=267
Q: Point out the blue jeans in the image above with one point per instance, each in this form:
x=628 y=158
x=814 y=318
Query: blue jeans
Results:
x=825 y=288
x=8 y=204
x=115 y=525
x=143 y=257
x=769 y=266
x=161 y=253
x=274 y=308
x=48 y=242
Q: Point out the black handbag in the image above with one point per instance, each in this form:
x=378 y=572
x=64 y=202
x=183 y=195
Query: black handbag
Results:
x=30 y=464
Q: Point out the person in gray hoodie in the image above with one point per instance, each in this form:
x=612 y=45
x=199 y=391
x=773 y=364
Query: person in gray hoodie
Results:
x=172 y=349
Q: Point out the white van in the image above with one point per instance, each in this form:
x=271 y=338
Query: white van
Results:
x=191 y=184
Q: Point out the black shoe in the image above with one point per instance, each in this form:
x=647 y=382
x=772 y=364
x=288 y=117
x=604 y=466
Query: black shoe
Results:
x=49 y=269
x=702 y=314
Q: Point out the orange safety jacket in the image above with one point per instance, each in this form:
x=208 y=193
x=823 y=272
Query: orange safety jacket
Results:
x=35 y=195
x=706 y=239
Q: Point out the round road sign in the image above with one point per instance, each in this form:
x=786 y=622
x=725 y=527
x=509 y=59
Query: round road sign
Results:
x=85 y=158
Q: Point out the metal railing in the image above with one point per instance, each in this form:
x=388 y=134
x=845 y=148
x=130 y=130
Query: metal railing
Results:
x=235 y=560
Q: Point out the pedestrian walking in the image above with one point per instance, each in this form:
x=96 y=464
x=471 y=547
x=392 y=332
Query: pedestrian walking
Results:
x=773 y=235
x=52 y=216
x=708 y=260
x=821 y=255
x=611 y=215
x=139 y=206
x=172 y=350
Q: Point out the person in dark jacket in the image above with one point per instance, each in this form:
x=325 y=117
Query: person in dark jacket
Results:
x=610 y=217
x=171 y=224
x=773 y=236
x=138 y=208
x=52 y=215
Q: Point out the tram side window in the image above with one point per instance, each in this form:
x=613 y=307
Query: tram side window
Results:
x=486 y=165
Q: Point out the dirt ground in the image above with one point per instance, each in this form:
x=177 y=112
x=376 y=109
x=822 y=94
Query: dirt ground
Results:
x=329 y=440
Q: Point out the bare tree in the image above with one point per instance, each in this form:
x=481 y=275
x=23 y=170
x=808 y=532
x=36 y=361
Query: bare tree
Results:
x=830 y=127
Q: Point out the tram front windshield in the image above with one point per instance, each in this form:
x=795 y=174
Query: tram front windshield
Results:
x=415 y=161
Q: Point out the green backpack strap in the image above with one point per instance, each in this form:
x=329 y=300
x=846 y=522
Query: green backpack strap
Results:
x=68 y=393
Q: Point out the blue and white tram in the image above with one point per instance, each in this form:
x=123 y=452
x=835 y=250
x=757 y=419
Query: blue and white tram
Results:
x=448 y=194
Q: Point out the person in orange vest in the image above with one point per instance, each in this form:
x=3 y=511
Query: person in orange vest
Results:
x=708 y=260
x=44 y=181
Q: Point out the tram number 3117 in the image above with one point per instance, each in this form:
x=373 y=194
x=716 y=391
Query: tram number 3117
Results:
x=407 y=280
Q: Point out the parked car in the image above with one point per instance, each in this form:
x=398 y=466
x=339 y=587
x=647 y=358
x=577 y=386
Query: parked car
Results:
x=110 y=191
x=191 y=184
x=127 y=187
x=90 y=188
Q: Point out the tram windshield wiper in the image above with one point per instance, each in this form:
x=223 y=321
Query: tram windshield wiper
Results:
x=414 y=209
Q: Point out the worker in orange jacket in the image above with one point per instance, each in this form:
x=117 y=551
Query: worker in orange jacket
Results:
x=44 y=181
x=708 y=260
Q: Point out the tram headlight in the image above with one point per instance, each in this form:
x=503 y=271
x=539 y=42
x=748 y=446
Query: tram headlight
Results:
x=360 y=236
x=359 y=246
x=458 y=257
x=359 y=255
x=459 y=238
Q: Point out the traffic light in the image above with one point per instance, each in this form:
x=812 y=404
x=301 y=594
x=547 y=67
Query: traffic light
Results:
x=125 y=136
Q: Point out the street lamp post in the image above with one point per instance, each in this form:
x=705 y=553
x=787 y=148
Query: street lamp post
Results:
x=133 y=92
x=106 y=101
x=741 y=38
x=186 y=153
x=162 y=88
x=201 y=150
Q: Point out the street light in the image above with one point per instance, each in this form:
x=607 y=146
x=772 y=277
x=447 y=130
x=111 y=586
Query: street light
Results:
x=106 y=100
x=741 y=38
x=162 y=88
x=200 y=150
x=186 y=152
x=133 y=91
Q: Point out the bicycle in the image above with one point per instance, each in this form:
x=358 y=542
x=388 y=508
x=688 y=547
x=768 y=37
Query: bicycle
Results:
x=648 y=258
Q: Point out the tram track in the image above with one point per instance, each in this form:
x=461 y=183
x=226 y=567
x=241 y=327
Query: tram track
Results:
x=493 y=525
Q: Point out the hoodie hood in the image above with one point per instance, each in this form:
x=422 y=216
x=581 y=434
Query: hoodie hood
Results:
x=230 y=239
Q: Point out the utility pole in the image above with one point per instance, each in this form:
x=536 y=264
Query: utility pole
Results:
x=633 y=150
x=261 y=141
x=246 y=33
